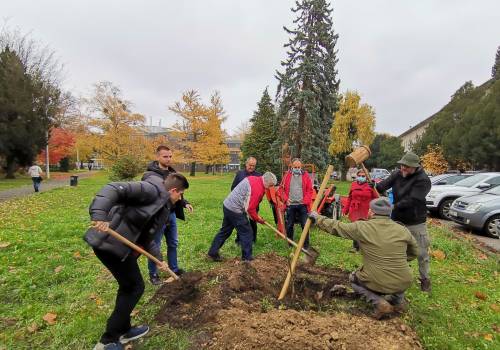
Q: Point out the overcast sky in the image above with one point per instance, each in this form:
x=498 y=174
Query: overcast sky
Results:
x=406 y=58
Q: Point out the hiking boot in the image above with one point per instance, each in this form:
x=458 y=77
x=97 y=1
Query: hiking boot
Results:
x=179 y=272
x=110 y=346
x=215 y=257
x=134 y=333
x=402 y=307
x=425 y=285
x=382 y=309
x=155 y=279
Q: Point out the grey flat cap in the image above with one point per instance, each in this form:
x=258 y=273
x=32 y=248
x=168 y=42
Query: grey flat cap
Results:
x=381 y=206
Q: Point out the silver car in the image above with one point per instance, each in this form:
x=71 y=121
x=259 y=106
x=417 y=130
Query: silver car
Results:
x=480 y=211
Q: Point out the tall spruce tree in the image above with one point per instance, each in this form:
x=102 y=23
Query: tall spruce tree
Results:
x=495 y=70
x=308 y=87
x=262 y=134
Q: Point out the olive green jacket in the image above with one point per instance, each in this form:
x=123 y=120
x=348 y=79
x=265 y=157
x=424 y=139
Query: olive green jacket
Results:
x=386 y=247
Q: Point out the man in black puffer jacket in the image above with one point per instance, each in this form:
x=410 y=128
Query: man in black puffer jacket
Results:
x=161 y=168
x=136 y=210
x=410 y=184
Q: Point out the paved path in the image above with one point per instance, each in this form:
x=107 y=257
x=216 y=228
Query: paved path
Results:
x=492 y=244
x=46 y=185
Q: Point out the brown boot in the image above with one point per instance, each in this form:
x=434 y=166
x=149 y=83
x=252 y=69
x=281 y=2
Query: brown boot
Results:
x=402 y=307
x=425 y=285
x=382 y=309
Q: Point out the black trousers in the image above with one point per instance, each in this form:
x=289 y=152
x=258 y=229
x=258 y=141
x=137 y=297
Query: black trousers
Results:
x=130 y=289
x=296 y=212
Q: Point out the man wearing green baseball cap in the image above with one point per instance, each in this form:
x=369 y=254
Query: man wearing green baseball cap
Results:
x=410 y=184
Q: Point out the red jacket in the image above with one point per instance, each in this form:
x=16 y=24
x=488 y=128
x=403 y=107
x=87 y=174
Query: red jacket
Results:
x=257 y=191
x=358 y=202
x=307 y=188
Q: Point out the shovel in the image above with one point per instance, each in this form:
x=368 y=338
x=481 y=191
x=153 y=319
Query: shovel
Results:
x=311 y=253
x=161 y=265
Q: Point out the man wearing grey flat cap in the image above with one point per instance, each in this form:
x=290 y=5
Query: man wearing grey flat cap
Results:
x=410 y=184
x=386 y=248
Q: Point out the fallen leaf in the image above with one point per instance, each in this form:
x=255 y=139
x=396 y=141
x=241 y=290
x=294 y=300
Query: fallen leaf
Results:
x=93 y=296
x=50 y=318
x=495 y=307
x=58 y=269
x=77 y=255
x=472 y=280
x=438 y=254
x=480 y=295
x=496 y=328
x=483 y=256
x=488 y=337
x=98 y=301
x=33 y=328
x=134 y=312
x=4 y=244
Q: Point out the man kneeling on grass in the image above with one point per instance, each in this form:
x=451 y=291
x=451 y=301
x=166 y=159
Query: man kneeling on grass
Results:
x=136 y=210
x=243 y=200
x=386 y=247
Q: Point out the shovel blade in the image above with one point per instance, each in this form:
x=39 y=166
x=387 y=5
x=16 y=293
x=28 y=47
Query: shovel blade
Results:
x=311 y=256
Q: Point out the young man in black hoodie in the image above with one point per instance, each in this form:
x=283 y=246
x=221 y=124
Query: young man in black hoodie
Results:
x=135 y=210
x=410 y=184
x=161 y=168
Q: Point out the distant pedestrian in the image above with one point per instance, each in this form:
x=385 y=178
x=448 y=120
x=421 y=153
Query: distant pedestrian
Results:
x=410 y=184
x=249 y=170
x=36 y=174
x=89 y=164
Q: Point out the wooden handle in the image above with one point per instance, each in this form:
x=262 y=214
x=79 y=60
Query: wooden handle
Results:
x=303 y=236
x=285 y=237
x=369 y=177
x=142 y=251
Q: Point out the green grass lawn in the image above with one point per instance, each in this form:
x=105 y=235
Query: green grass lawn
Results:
x=7 y=184
x=45 y=267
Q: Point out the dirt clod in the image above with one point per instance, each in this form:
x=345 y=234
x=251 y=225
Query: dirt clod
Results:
x=234 y=306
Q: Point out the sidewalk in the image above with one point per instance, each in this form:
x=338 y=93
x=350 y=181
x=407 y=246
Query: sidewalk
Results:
x=46 y=185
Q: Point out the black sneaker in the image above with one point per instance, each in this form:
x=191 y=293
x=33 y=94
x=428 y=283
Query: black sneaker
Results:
x=179 y=272
x=155 y=279
x=110 y=346
x=215 y=257
x=134 y=333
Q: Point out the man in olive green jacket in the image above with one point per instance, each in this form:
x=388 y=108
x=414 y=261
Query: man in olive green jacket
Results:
x=386 y=248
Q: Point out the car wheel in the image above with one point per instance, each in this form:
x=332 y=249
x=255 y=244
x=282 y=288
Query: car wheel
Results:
x=444 y=208
x=491 y=228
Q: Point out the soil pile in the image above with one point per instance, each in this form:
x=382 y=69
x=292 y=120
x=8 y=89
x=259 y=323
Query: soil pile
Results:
x=234 y=307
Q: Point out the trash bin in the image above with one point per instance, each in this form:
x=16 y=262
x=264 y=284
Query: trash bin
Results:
x=73 y=180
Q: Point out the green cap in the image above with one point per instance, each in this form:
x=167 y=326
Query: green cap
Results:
x=410 y=159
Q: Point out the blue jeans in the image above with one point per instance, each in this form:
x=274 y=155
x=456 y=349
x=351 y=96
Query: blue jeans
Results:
x=231 y=221
x=299 y=212
x=36 y=183
x=170 y=232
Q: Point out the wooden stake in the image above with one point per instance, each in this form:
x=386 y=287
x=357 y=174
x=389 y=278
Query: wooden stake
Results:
x=303 y=236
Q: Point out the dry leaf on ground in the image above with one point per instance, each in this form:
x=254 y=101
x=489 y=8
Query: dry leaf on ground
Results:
x=480 y=295
x=4 y=244
x=32 y=328
x=58 y=269
x=495 y=307
x=488 y=337
x=50 y=318
x=77 y=255
x=438 y=254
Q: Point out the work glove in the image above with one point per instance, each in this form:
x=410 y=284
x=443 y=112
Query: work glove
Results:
x=313 y=216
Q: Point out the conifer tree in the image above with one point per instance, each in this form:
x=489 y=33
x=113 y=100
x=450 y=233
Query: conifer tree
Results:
x=495 y=70
x=262 y=135
x=308 y=87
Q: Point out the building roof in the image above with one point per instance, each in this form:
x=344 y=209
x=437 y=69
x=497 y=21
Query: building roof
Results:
x=419 y=125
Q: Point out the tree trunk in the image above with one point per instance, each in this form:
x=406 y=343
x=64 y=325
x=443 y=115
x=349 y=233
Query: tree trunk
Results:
x=207 y=168
x=11 y=168
x=193 y=169
x=213 y=169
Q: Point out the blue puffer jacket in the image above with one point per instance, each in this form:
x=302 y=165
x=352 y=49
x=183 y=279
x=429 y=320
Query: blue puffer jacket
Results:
x=136 y=210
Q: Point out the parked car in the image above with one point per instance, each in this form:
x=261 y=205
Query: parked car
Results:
x=480 y=211
x=378 y=173
x=440 y=197
x=449 y=178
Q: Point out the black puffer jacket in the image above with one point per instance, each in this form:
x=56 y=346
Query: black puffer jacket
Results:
x=136 y=210
x=409 y=196
x=154 y=170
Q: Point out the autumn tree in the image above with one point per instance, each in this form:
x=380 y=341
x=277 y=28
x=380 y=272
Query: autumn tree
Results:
x=263 y=133
x=116 y=130
x=353 y=125
x=61 y=145
x=308 y=86
x=433 y=160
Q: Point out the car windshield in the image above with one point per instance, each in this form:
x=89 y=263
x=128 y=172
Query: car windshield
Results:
x=494 y=190
x=471 y=181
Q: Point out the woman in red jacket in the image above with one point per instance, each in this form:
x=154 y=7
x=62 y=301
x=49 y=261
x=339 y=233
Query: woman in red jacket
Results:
x=358 y=201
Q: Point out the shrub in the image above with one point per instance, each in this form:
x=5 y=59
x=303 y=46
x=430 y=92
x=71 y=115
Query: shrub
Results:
x=126 y=168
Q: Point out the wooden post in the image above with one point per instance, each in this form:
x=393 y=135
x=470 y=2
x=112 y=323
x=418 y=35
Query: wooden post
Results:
x=369 y=177
x=303 y=236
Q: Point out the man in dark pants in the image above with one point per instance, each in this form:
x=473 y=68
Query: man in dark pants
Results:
x=297 y=192
x=161 y=167
x=243 y=200
x=249 y=170
x=410 y=184
x=135 y=210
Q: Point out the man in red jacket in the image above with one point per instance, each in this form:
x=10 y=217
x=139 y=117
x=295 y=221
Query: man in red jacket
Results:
x=297 y=193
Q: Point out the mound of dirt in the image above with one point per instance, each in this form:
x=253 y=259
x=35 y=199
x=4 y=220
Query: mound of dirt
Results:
x=234 y=306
